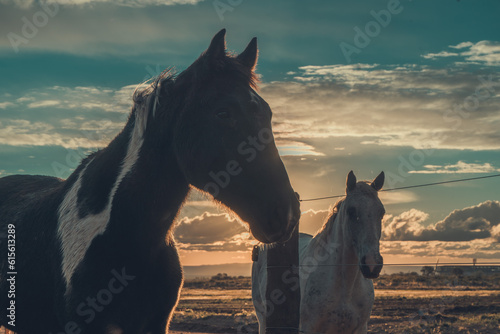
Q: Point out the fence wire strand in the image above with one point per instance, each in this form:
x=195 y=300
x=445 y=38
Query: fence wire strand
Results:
x=410 y=187
x=394 y=264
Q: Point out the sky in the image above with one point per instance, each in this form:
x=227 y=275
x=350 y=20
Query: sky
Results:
x=411 y=88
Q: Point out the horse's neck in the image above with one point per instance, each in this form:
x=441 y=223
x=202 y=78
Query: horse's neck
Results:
x=141 y=186
x=341 y=265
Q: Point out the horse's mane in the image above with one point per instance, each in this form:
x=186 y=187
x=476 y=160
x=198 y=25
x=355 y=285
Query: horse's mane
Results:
x=328 y=224
x=151 y=93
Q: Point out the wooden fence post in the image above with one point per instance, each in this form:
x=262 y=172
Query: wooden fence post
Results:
x=283 y=291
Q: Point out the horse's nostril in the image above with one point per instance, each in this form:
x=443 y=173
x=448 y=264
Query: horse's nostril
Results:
x=372 y=263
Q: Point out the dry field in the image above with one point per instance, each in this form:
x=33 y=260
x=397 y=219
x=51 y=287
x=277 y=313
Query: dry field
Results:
x=224 y=305
x=404 y=303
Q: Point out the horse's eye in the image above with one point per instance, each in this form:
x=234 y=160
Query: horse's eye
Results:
x=224 y=114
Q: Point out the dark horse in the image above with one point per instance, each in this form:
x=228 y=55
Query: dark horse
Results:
x=94 y=253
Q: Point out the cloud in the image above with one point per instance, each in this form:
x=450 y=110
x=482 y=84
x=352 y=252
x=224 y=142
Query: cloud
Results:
x=70 y=117
x=397 y=197
x=288 y=148
x=45 y=103
x=90 y=97
x=4 y=105
x=87 y=135
x=495 y=233
x=458 y=235
x=405 y=226
x=312 y=220
x=460 y=167
x=482 y=53
x=440 y=54
x=481 y=248
x=213 y=232
x=418 y=78
x=128 y=3
x=79 y=98
x=462 y=45
x=207 y=228
x=27 y=133
x=471 y=223
x=409 y=105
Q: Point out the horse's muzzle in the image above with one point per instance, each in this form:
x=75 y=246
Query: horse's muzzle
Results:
x=371 y=266
x=288 y=214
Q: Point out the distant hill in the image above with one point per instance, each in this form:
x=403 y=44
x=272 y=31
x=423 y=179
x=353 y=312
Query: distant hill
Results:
x=245 y=269
x=232 y=269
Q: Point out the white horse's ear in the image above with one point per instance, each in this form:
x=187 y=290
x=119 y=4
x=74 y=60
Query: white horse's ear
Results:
x=250 y=55
x=217 y=48
x=351 y=182
x=378 y=183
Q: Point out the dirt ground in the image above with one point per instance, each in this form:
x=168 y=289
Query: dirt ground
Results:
x=224 y=305
x=219 y=310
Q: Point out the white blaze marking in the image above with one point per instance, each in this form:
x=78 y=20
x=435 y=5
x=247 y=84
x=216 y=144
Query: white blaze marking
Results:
x=76 y=234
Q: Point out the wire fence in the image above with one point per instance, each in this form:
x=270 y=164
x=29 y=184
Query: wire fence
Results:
x=410 y=187
x=395 y=264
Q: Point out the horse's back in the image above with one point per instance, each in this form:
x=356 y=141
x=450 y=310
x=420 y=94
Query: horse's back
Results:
x=22 y=190
x=23 y=187
x=26 y=182
x=26 y=200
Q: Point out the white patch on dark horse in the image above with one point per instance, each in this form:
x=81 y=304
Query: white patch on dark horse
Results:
x=77 y=233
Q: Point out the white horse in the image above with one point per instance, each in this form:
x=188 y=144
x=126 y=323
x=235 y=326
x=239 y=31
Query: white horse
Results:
x=336 y=265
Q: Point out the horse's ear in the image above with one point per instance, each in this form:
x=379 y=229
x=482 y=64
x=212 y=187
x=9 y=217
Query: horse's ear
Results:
x=249 y=56
x=378 y=183
x=217 y=48
x=351 y=182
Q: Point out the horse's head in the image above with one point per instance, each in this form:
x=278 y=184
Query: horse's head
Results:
x=364 y=212
x=223 y=141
